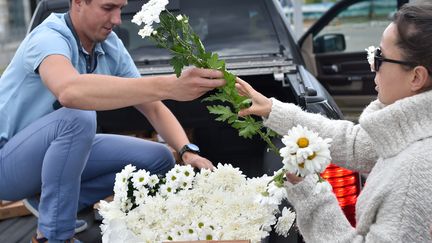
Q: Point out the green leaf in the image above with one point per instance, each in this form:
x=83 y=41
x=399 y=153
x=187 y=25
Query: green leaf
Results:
x=215 y=63
x=270 y=133
x=224 y=112
x=177 y=64
x=178 y=48
x=248 y=131
x=217 y=97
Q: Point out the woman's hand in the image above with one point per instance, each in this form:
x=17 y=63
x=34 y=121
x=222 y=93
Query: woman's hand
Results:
x=197 y=161
x=293 y=179
x=261 y=105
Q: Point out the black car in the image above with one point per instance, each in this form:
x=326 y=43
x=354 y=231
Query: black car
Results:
x=254 y=39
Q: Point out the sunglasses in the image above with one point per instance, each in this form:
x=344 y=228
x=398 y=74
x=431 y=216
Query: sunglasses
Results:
x=379 y=59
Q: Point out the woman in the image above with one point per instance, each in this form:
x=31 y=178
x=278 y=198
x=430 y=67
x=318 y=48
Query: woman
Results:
x=392 y=142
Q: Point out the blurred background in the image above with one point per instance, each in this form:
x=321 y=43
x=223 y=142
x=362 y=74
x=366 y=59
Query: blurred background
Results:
x=15 y=16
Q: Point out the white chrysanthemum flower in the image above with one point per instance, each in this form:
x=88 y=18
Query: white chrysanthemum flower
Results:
x=166 y=190
x=150 y=12
x=371 y=54
x=125 y=174
x=118 y=232
x=138 y=18
x=148 y=15
x=179 y=17
x=190 y=233
x=173 y=177
x=121 y=183
x=285 y=222
x=279 y=193
x=205 y=172
x=145 y=31
x=305 y=152
x=126 y=205
x=257 y=185
x=266 y=200
x=140 y=178
x=188 y=171
x=148 y=236
x=153 y=180
x=140 y=195
x=209 y=233
x=228 y=176
x=110 y=210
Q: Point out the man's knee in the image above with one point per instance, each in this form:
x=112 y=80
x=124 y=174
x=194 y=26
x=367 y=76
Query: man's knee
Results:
x=167 y=155
x=83 y=120
x=165 y=159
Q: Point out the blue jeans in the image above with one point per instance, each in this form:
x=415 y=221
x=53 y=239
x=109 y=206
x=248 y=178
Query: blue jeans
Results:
x=61 y=157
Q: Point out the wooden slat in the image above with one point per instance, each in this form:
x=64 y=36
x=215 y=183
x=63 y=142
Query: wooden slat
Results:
x=12 y=209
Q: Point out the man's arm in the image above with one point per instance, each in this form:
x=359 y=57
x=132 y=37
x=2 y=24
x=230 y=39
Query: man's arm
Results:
x=165 y=123
x=104 y=92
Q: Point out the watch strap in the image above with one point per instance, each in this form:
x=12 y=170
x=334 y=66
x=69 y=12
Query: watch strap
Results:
x=185 y=149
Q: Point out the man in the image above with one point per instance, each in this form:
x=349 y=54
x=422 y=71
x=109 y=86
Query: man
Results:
x=75 y=60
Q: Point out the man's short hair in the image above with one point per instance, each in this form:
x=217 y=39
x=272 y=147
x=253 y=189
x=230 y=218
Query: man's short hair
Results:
x=87 y=1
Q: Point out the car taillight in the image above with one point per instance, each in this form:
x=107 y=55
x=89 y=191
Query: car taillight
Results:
x=346 y=187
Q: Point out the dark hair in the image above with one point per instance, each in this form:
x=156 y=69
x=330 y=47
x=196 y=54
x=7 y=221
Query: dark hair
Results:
x=87 y=1
x=414 y=26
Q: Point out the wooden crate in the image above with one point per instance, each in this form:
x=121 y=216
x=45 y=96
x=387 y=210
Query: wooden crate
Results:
x=12 y=209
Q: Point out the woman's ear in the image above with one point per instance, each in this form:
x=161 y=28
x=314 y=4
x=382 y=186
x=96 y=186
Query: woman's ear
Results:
x=421 y=79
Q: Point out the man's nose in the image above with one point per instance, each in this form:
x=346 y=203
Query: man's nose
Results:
x=116 y=17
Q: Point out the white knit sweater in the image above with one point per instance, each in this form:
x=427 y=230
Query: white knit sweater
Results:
x=394 y=144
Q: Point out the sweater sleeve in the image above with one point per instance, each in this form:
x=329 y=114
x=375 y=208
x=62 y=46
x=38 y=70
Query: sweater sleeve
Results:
x=319 y=217
x=351 y=147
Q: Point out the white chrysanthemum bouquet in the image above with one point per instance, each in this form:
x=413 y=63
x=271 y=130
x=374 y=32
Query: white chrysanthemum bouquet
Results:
x=304 y=154
x=210 y=205
x=184 y=206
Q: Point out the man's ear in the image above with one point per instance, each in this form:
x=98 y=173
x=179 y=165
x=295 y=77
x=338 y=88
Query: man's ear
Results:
x=421 y=79
x=76 y=3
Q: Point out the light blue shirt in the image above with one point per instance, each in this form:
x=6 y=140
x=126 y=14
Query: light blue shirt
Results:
x=23 y=96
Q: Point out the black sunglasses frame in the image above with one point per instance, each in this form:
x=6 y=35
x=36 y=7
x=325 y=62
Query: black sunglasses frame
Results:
x=379 y=59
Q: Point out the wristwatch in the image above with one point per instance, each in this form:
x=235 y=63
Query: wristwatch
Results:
x=190 y=147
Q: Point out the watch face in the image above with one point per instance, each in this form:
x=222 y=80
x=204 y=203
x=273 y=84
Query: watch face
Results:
x=193 y=147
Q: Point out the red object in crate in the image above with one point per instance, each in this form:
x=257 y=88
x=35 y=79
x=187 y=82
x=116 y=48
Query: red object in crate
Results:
x=346 y=186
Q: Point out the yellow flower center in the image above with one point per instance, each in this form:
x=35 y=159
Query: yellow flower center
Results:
x=301 y=165
x=311 y=157
x=303 y=142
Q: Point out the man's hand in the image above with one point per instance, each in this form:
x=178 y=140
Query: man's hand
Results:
x=195 y=82
x=261 y=105
x=197 y=161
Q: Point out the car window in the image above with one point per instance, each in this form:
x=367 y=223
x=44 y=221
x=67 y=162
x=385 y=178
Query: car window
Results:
x=362 y=24
x=230 y=28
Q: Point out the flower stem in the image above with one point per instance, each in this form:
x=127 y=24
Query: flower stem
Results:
x=272 y=147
